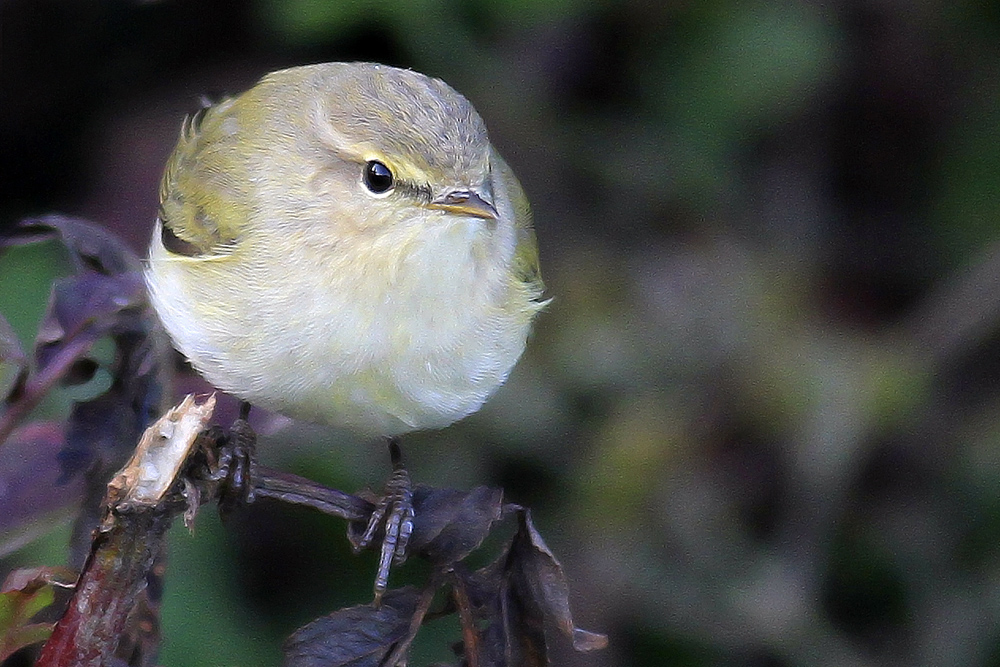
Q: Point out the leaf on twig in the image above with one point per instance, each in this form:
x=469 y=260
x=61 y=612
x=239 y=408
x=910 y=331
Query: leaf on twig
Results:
x=104 y=298
x=23 y=595
x=91 y=248
x=90 y=305
x=451 y=524
x=540 y=582
x=361 y=636
x=30 y=494
x=516 y=596
x=13 y=363
x=103 y=301
x=504 y=608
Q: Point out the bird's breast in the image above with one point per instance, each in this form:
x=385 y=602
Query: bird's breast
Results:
x=383 y=338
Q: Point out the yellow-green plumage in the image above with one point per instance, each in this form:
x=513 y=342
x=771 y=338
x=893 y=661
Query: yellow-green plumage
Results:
x=287 y=282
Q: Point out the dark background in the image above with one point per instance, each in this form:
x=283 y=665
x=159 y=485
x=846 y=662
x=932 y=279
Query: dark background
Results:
x=759 y=422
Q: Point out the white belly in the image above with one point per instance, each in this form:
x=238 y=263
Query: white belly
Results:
x=418 y=344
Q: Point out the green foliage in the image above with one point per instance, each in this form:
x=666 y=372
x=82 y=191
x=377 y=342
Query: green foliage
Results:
x=965 y=207
x=17 y=608
x=743 y=71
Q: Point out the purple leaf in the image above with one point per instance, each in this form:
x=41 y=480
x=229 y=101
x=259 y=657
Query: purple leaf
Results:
x=359 y=636
x=516 y=596
x=540 y=582
x=13 y=362
x=104 y=298
x=30 y=491
x=450 y=524
x=91 y=247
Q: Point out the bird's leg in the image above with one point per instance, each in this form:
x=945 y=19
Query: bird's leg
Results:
x=238 y=463
x=393 y=515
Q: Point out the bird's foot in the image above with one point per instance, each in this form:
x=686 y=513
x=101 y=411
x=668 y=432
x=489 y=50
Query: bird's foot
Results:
x=237 y=464
x=392 y=519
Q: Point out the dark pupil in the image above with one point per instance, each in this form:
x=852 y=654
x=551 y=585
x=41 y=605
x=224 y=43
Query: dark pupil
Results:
x=378 y=178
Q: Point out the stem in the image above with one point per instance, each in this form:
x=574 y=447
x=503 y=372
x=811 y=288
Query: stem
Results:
x=289 y=488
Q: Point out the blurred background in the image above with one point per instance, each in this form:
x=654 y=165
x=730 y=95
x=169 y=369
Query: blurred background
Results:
x=759 y=422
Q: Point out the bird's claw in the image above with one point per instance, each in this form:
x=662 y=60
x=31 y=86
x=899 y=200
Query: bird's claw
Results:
x=237 y=464
x=393 y=516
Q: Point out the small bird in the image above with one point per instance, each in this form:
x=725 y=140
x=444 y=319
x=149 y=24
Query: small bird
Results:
x=342 y=244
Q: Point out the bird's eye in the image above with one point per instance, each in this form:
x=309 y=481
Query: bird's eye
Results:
x=378 y=177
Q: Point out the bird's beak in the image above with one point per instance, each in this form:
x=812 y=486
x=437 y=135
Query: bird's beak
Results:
x=465 y=202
